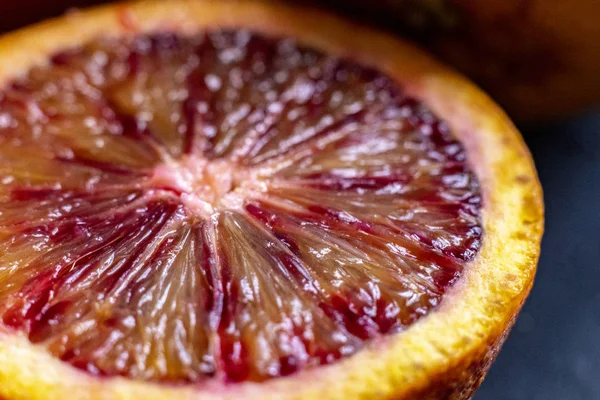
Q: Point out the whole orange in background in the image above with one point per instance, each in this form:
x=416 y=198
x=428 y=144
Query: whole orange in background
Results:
x=538 y=58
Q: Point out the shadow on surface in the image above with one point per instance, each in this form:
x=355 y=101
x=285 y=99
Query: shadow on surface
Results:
x=553 y=352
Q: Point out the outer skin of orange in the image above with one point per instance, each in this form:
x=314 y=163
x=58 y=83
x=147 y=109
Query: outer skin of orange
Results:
x=537 y=58
x=443 y=356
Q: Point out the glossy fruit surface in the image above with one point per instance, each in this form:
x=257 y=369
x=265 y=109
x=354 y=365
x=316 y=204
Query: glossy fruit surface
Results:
x=223 y=205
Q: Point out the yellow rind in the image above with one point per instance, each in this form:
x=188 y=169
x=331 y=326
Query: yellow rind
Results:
x=444 y=355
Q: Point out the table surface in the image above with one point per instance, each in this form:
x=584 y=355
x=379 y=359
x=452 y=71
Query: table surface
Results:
x=553 y=352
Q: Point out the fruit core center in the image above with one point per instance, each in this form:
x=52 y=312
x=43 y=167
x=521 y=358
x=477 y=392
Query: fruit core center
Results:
x=202 y=184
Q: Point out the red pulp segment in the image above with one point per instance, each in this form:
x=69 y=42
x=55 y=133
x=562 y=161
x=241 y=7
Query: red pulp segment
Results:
x=222 y=206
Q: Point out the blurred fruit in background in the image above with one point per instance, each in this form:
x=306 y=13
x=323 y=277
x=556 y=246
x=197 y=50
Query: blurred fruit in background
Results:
x=538 y=58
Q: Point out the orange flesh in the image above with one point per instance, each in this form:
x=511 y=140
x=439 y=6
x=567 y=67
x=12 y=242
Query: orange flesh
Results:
x=222 y=206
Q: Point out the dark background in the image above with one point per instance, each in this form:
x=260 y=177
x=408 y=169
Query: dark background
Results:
x=553 y=352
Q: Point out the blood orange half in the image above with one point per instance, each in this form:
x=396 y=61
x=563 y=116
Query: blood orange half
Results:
x=247 y=200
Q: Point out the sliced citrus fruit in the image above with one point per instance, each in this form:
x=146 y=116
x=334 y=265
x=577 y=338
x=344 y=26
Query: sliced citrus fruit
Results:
x=247 y=200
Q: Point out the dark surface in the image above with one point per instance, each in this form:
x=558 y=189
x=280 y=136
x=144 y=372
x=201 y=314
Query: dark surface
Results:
x=553 y=352
x=17 y=13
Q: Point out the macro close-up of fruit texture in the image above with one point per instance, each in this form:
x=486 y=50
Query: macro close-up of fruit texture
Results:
x=299 y=199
